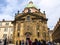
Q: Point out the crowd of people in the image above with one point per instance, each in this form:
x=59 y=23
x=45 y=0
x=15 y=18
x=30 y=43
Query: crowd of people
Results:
x=29 y=42
x=36 y=42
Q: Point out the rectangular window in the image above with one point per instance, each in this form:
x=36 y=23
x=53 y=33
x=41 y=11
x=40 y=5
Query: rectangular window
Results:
x=6 y=29
x=18 y=34
x=38 y=34
x=11 y=29
x=11 y=36
x=4 y=35
x=28 y=18
x=7 y=23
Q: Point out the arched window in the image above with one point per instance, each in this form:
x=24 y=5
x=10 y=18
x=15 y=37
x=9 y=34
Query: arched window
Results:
x=38 y=34
x=7 y=23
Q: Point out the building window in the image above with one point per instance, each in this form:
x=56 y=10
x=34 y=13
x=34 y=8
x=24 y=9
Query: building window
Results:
x=28 y=18
x=11 y=29
x=7 y=23
x=18 y=34
x=4 y=35
x=0 y=23
x=6 y=29
x=38 y=35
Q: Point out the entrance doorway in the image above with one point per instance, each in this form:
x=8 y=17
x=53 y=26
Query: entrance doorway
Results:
x=28 y=35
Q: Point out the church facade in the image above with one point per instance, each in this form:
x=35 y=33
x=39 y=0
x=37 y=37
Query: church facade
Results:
x=30 y=24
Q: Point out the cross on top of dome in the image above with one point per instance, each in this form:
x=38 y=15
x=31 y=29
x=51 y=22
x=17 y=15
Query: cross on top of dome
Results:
x=30 y=4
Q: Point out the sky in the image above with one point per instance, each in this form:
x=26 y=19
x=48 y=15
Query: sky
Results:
x=8 y=8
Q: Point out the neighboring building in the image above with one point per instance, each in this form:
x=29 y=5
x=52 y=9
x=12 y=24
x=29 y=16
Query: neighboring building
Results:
x=6 y=29
x=30 y=24
x=56 y=32
x=50 y=35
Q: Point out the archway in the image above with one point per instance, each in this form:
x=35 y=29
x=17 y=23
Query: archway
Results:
x=28 y=35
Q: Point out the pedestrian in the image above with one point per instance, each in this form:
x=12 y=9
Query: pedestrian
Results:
x=39 y=43
x=43 y=42
x=5 y=41
x=22 y=42
x=30 y=42
x=35 y=42
x=27 y=42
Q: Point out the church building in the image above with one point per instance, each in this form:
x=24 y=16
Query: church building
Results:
x=30 y=24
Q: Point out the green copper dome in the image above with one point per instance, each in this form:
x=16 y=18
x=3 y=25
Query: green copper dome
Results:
x=30 y=4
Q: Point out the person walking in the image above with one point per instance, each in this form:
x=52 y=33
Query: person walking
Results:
x=5 y=41
x=35 y=42
x=43 y=42
x=22 y=42
x=30 y=42
x=27 y=42
x=39 y=43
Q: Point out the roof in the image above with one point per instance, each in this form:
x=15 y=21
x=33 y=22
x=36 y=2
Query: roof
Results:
x=6 y=20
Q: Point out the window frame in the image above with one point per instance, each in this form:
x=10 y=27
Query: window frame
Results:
x=28 y=18
x=5 y=29
x=7 y=23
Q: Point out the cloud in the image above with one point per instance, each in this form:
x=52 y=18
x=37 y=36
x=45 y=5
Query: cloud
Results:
x=52 y=8
x=3 y=2
x=6 y=17
x=7 y=10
